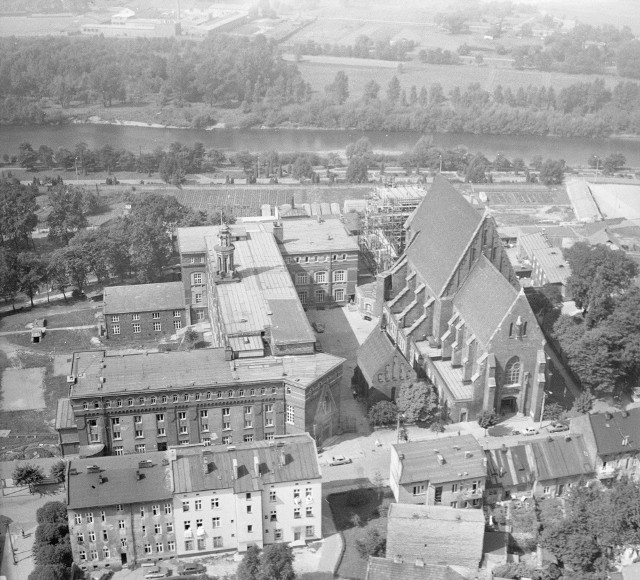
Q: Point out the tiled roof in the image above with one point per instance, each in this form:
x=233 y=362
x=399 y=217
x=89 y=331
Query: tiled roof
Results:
x=154 y=371
x=64 y=415
x=437 y=534
x=387 y=569
x=611 y=429
x=508 y=467
x=530 y=242
x=313 y=236
x=463 y=459
x=553 y=264
x=443 y=225
x=484 y=299
x=367 y=290
x=288 y=458
x=143 y=297
x=120 y=484
x=376 y=351
x=559 y=457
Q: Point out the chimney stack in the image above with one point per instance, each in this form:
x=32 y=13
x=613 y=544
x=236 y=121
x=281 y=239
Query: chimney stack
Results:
x=235 y=468
x=256 y=465
x=283 y=459
x=278 y=231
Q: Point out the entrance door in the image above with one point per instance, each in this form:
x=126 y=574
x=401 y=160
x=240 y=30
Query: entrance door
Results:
x=297 y=535
x=508 y=405
x=123 y=557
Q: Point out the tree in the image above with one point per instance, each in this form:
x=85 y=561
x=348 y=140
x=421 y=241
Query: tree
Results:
x=417 y=402
x=338 y=90
x=67 y=213
x=49 y=572
x=249 y=567
x=371 y=543
x=629 y=59
x=53 y=512
x=552 y=172
x=276 y=563
x=488 y=419
x=27 y=157
x=59 y=471
x=613 y=163
x=18 y=214
x=302 y=167
x=9 y=285
x=28 y=474
x=393 y=90
x=583 y=403
x=31 y=273
x=475 y=172
x=357 y=170
x=383 y=413
x=553 y=412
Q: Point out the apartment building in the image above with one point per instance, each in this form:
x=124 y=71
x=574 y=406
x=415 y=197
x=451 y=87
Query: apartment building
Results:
x=449 y=471
x=248 y=494
x=193 y=500
x=143 y=311
x=120 y=510
x=142 y=402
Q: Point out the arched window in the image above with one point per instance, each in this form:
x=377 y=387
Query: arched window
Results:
x=512 y=371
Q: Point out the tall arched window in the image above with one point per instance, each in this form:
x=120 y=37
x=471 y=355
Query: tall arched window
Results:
x=512 y=371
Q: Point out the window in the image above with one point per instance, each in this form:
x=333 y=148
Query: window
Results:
x=339 y=276
x=140 y=400
x=309 y=512
x=454 y=488
x=338 y=295
x=319 y=295
x=209 y=395
x=155 y=510
x=334 y=257
x=115 y=329
x=230 y=394
x=174 y=398
x=198 y=297
x=269 y=436
x=309 y=532
x=121 y=524
x=177 y=324
x=94 y=554
x=247 y=409
x=115 y=318
x=268 y=421
x=147 y=548
x=168 y=509
x=162 y=432
x=115 y=428
x=160 y=417
x=248 y=438
x=137 y=418
x=185 y=506
x=85 y=406
x=475 y=485
x=135 y=316
x=140 y=448
x=418 y=489
x=171 y=546
x=157 y=326
x=247 y=496
x=302 y=297
x=291 y=414
x=248 y=423
x=512 y=371
x=438 y=495
x=82 y=555
x=273 y=516
x=196 y=278
x=164 y=398
x=226 y=440
x=184 y=429
x=226 y=425
x=202 y=544
x=296 y=513
x=103 y=516
x=154 y=400
x=130 y=401
x=80 y=537
x=155 y=315
x=118 y=403
x=77 y=519
x=199 y=523
x=186 y=397
x=215 y=522
x=249 y=509
x=141 y=511
x=159 y=547
x=105 y=552
x=182 y=415
x=119 y=507
x=215 y=503
x=321 y=277
x=546 y=490
x=136 y=327
x=250 y=529
x=177 y=313
x=169 y=527
x=89 y=517
x=217 y=541
x=197 y=505
x=453 y=504
x=277 y=534
x=302 y=279
x=92 y=536
x=139 y=434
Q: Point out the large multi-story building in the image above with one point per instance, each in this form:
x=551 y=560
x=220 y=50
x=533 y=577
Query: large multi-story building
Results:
x=193 y=500
x=453 y=308
x=144 y=311
x=450 y=471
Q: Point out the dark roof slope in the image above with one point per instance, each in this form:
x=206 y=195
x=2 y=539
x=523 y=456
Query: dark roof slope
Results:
x=384 y=569
x=484 y=299
x=560 y=457
x=616 y=432
x=202 y=468
x=443 y=224
x=374 y=353
x=143 y=297
x=65 y=418
x=120 y=483
x=508 y=467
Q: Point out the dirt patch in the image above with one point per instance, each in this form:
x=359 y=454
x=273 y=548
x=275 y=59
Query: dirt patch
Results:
x=22 y=389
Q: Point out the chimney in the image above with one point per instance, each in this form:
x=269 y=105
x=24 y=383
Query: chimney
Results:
x=278 y=231
x=440 y=459
x=397 y=559
x=283 y=459
x=256 y=465
x=419 y=563
x=138 y=475
x=235 y=468
x=467 y=454
x=100 y=478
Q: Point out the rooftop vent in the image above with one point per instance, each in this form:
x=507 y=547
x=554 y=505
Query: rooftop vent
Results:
x=608 y=416
x=235 y=468
x=71 y=379
x=625 y=413
x=139 y=475
x=504 y=448
x=468 y=454
x=145 y=463
x=625 y=440
x=101 y=479
x=440 y=459
x=93 y=469
x=283 y=459
x=256 y=466
x=398 y=558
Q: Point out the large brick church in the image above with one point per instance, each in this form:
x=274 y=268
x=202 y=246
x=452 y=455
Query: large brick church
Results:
x=453 y=310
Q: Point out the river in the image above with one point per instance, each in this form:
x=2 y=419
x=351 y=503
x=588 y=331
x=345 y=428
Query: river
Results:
x=573 y=151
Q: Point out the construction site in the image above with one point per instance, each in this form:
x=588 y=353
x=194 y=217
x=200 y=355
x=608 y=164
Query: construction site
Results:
x=382 y=238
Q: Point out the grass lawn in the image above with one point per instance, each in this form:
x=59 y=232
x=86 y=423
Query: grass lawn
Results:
x=372 y=514
x=58 y=341
x=59 y=314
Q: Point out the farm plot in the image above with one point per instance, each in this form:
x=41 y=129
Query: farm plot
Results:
x=521 y=198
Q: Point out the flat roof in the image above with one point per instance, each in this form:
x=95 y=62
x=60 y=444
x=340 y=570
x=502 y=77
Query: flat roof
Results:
x=312 y=237
x=452 y=376
x=462 y=458
x=246 y=306
x=120 y=482
x=192 y=240
x=553 y=264
x=287 y=458
x=65 y=418
x=102 y=373
x=143 y=297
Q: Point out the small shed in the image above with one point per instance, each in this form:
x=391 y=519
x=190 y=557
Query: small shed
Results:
x=38 y=329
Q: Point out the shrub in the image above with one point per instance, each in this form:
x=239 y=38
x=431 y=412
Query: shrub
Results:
x=355 y=498
x=487 y=419
x=371 y=543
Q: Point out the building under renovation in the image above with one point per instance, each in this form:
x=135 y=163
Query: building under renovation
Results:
x=382 y=238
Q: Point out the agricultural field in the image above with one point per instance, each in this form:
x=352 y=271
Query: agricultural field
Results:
x=320 y=71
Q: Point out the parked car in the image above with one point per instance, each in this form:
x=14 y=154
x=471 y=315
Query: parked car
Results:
x=529 y=431
x=558 y=427
x=156 y=572
x=339 y=460
x=191 y=569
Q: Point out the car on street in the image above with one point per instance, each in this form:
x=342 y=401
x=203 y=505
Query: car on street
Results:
x=558 y=427
x=156 y=572
x=191 y=569
x=529 y=431
x=339 y=460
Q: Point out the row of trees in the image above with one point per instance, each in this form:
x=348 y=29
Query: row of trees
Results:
x=52 y=548
x=364 y=47
x=275 y=562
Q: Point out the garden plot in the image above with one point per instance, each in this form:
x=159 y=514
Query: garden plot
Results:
x=22 y=389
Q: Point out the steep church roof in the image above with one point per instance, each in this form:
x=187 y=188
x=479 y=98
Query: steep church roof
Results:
x=442 y=225
x=484 y=299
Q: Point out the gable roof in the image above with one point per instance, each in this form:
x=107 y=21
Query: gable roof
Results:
x=484 y=299
x=144 y=297
x=376 y=351
x=437 y=534
x=610 y=430
x=559 y=457
x=463 y=458
x=386 y=569
x=442 y=227
x=508 y=467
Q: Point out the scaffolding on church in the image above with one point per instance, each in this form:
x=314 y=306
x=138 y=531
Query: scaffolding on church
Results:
x=382 y=237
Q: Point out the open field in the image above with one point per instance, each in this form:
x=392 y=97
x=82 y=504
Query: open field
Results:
x=320 y=71
x=22 y=389
x=58 y=315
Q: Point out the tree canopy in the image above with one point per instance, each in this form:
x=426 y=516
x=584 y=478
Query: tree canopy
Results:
x=418 y=401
